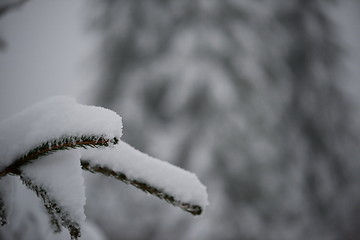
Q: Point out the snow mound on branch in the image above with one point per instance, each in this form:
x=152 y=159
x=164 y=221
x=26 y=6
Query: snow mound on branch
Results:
x=57 y=177
x=51 y=119
x=170 y=179
x=60 y=175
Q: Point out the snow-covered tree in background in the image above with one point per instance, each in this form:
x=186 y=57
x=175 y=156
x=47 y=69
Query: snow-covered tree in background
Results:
x=248 y=94
x=47 y=144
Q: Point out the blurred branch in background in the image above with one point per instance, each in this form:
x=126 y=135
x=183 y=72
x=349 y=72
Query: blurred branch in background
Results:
x=5 y=7
x=246 y=94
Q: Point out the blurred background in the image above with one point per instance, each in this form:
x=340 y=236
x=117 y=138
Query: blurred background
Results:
x=258 y=98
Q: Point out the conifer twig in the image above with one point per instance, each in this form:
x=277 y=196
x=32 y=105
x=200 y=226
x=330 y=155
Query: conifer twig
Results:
x=56 y=212
x=188 y=207
x=57 y=215
x=3 y=219
x=48 y=147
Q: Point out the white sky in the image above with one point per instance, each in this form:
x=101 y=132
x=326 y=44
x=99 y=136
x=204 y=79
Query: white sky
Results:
x=47 y=53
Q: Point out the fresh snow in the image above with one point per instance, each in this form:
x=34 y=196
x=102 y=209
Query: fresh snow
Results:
x=172 y=180
x=60 y=175
x=51 y=119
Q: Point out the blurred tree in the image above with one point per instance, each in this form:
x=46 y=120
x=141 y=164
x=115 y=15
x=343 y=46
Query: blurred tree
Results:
x=5 y=7
x=9 y=5
x=246 y=94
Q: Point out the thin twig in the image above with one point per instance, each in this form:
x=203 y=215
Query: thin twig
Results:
x=188 y=207
x=52 y=146
x=57 y=214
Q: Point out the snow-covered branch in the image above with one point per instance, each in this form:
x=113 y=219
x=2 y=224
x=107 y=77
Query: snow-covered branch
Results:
x=58 y=215
x=48 y=144
x=3 y=220
x=168 y=182
x=64 y=143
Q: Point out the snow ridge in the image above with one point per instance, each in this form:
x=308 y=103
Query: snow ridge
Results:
x=52 y=119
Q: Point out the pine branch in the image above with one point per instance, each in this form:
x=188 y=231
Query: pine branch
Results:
x=3 y=219
x=57 y=214
x=49 y=147
x=5 y=196
x=188 y=207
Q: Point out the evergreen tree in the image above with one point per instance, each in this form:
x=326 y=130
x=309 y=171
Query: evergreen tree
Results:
x=246 y=94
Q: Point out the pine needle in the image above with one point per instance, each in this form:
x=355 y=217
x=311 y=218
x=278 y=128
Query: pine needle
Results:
x=57 y=214
x=3 y=219
x=188 y=207
x=63 y=143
